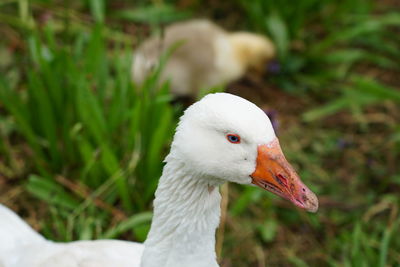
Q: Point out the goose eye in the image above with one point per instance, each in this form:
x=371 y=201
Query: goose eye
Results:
x=233 y=138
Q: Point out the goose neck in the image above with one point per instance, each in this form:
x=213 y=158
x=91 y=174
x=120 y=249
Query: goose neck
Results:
x=186 y=214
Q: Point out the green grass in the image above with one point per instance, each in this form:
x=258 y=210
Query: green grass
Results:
x=87 y=144
x=320 y=42
x=84 y=121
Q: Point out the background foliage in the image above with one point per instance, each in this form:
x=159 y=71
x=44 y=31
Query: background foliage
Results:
x=81 y=147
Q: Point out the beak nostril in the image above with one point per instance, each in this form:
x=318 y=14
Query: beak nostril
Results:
x=281 y=180
x=304 y=190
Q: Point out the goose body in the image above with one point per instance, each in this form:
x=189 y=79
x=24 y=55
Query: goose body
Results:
x=220 y=138
x=21 y=246
x=207 y=56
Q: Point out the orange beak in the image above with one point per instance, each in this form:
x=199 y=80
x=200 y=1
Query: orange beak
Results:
x=275 y=174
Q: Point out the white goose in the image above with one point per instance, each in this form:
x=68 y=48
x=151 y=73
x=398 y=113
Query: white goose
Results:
x=220 y=138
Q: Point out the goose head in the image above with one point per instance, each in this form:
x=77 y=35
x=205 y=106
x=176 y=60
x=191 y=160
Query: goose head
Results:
x=224 y=137
x=253 y=51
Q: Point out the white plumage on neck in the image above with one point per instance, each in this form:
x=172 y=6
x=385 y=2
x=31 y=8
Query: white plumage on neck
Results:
x=186 y=214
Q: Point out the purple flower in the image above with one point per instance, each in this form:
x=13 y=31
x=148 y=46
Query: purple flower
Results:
x=342 y=143
x=274 y=67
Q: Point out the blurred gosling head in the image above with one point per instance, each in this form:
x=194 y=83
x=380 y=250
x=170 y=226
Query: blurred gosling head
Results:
x=254 y=51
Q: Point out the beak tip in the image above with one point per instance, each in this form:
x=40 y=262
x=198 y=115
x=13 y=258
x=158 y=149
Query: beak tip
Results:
x=312 y=203
x=313 y=209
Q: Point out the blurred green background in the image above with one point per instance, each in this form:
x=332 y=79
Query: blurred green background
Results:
x=81 y=148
